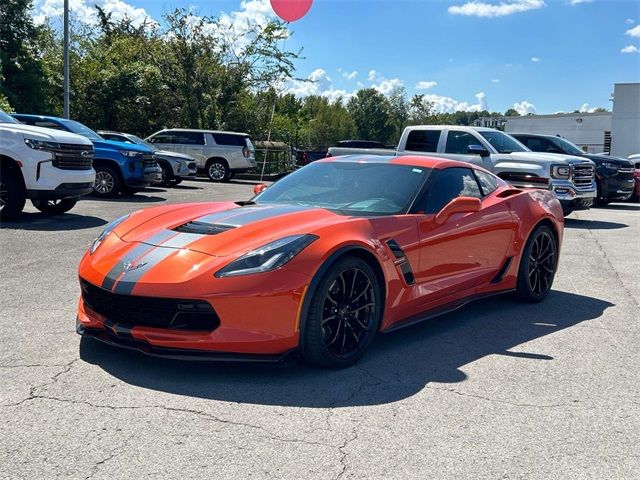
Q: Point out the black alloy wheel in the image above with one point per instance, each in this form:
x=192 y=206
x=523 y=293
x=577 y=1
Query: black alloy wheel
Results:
x=538 y=265
x=12 y=193
x=54 y=206
x=344 y=314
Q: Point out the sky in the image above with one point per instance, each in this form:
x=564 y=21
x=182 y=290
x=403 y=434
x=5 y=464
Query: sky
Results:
x=537 y=56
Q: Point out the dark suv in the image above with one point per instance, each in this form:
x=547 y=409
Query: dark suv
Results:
x=614 y=175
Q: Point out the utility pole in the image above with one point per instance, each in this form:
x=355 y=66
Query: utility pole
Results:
x=66 y=59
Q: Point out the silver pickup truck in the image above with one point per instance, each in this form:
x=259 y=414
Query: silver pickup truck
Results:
x=571 y=178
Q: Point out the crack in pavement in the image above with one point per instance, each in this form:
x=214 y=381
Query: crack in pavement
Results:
x=496 y=400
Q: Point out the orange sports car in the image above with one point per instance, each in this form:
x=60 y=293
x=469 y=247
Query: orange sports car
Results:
x=317 y=263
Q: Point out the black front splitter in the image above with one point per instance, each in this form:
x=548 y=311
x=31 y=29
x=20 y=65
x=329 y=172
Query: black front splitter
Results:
x=184 y=354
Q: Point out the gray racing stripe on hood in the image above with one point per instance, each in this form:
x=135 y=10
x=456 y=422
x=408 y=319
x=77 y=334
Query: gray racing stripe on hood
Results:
x=239 y=217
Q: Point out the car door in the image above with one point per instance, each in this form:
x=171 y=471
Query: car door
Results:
x=469 y=249
x=456 y=147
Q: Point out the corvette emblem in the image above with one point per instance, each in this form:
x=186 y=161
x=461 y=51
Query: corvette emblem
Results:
x=129 y=265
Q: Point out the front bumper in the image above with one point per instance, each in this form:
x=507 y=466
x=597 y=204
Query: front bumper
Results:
x=572 y=197
x=62 y=191
x=120 y=336
x=143 y=180
x=617 y=187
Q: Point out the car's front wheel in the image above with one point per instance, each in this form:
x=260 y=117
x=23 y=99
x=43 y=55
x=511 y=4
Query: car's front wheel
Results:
x=107 y=183
x=344 y=314
x=537 y=265
x=217 y=171
x=54 y=206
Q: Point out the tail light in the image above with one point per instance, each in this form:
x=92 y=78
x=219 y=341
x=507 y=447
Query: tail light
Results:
x=246 y=152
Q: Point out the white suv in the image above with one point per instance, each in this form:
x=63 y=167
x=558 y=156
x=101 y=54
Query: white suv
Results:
x=219 y=154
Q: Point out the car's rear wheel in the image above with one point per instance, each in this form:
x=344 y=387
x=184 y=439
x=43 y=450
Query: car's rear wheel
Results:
x=344 y=314
x=217 y=171
x=107 y=183
x=12 y=193
x=54 y=206
x=167 y=177
x=538 y=265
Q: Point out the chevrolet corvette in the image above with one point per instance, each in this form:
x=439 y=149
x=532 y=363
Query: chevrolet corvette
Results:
x=318 y=263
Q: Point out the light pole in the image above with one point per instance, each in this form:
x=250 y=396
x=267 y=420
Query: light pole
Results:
x=65 y=48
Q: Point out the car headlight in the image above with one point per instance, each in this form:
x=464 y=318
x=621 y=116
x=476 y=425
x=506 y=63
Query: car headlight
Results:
x=268 y=257
x=561 y=171
x=40 y=144
x=129 y=153
x=105 y=233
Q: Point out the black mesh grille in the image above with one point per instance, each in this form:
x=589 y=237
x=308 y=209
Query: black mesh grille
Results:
x=170 y=313
x=203 y=228
x=73 y=157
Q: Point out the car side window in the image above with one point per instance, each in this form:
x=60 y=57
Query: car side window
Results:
x=161 y=138
x=423 y=140
x=487 y=182
x=449 y=184
x=229 y=139
x=188 y=138
x=458 y=142
x=537 y=144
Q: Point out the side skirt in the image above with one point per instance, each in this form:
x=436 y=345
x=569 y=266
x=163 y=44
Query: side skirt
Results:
x=447 y=308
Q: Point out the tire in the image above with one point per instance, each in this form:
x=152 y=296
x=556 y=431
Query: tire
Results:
x=218 y=171
x=167 y=176
x=567 y=211
x=343 y=308
x=231 y=175
x=54 y=206
x=12 y=193
x=537 y=265
x=176 y=181
x=108 y=183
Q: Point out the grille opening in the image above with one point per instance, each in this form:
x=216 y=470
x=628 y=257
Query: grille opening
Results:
x=169 y=313
x=203 y=228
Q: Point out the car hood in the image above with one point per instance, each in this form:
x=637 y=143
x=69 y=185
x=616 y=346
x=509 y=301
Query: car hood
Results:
x=174 y=156
x=537 y=157
x=114 y=145
x=620 y=162
x=47 y=134
x=223 y=228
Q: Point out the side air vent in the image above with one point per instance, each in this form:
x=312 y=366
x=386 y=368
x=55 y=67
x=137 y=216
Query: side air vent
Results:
x=401 y=261
x=203 y=228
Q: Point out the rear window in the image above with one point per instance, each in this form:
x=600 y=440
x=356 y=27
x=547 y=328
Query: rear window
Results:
x=229 y=139
x=188 y=138
x=423 y=140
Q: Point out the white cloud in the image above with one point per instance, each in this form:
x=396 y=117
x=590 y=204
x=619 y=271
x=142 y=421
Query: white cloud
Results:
x=444 y=104
x=495 y=80
x=524 y=107
x=482 y=100
x=373 y=76
x=483 y=9
x=576 y=2
x=86 y=13
x=634 y=32
x=426 y=85
x=320 y=83
x=630 y=49
x=535 y=59
x=630 y=21
x=386 y=86
x=586 y=108
x=350 y=76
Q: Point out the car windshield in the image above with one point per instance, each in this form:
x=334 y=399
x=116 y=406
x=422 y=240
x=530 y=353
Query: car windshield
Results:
x=80 y=129
x=139 y=141
x=5 y=118
x=566 y=146
x=502 y=142
x=350 y=188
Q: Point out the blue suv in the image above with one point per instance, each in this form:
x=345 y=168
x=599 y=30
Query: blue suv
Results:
x=119 y=166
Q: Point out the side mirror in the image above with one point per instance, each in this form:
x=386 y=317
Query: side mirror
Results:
x=477 y=150
x=259 y=188
x=458 y=205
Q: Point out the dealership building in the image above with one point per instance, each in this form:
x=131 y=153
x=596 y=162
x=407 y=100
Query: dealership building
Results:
x=616 y=132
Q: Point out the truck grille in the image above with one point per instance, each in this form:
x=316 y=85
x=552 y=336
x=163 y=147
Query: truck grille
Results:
x=72 y=157
x=625 y=170
x=582 y=175
x=174 y=314
x=148 y=160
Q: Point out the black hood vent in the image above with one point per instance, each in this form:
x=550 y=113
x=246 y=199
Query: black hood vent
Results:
x=203 y=228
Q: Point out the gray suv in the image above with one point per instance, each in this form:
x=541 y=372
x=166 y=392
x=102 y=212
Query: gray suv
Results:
x=219 y=154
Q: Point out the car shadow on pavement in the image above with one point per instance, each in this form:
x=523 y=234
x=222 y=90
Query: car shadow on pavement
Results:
x=397 y=365
x=592 y=224
x=134 y=198
x=51 y=223
x=619 y=206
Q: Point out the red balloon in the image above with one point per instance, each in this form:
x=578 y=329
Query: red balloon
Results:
x=291 y=10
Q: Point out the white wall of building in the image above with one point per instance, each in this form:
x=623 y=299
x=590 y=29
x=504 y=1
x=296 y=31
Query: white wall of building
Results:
x=583 y=129
x=625 y=136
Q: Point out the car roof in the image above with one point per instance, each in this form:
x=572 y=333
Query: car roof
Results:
x=457 y=127
x=41 y=117
x=543 y=135
x=201 y=131
x=409 y=160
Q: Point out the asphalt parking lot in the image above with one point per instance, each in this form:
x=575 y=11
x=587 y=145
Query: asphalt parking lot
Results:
x=497 y=389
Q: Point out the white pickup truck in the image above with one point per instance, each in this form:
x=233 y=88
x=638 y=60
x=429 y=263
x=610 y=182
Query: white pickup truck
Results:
x=53 y=168
x=571 y=178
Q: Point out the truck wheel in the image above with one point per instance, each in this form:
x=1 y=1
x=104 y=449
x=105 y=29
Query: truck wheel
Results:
x=107 y=182
x=217 y=171
x=54 y=206
x=175 y=181
x=167 y=176
x=12 y=194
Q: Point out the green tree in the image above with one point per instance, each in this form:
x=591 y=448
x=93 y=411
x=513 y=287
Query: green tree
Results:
x=23 y=81
x=511 y=112
x=370 y=112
